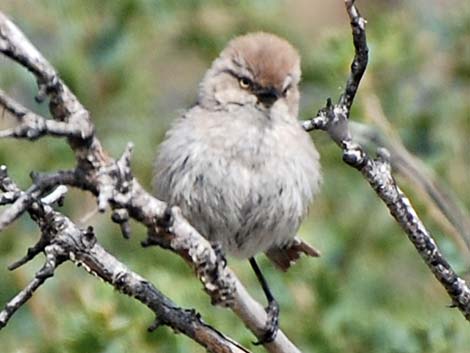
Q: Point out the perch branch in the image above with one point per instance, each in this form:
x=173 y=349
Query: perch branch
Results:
x=114 y=186
x=63 y=240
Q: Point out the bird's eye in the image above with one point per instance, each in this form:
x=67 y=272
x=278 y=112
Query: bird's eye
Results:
x=284 y=92
x=245 y=83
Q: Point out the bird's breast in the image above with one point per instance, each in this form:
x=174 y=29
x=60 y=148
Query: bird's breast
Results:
x=244 y=183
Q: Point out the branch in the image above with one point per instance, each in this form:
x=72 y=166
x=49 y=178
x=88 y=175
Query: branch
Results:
x=33 y=126
x=405 y=163
x=359 y=63
x=334 y=120
x=19 y=201
x=22 y=297
x=62 y=240
x=115 y=187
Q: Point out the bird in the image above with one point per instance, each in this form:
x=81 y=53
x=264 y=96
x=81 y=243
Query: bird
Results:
x=238 y=163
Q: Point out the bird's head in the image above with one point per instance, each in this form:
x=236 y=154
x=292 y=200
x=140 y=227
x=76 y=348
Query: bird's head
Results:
x=257 y=69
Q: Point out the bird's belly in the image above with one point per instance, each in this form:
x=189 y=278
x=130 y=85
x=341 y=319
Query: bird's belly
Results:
x=246 y=208
x=243 y=185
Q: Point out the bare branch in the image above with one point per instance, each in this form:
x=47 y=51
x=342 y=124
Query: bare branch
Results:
x=405 y=163
x=22 y=297
x=32 y=252
x=32 y=125
x=9 y=197
x=20 y=204
x=15 y=45
x=115 y=187
x=113 y=184
x=64 y=105
x=334 y=120
x=62 y=240
x=359 y=64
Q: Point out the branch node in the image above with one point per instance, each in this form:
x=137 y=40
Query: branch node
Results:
x=354 y=156
x=121 y=217
x=155 y=325
x=9 y=197
x=54 y=256
x=89 y=238
x=166 y=221
x=124 y=167
x=41 y=95
x=103 y=198
x=219 y=253
x=45 y=86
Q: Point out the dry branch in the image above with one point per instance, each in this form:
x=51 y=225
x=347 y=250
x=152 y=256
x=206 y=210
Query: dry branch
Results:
x=334 y=120
x=114 y=186
x=62 y=240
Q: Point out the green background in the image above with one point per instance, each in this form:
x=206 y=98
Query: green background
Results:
x=136 y=64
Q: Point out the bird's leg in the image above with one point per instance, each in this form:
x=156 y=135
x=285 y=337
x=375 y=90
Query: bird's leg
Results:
x=272 y=323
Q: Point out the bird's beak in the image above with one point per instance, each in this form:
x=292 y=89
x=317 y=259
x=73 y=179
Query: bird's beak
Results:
x=268 y=95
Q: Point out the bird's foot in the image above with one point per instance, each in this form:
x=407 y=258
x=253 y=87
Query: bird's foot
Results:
x=272 y=324
x=219 y=253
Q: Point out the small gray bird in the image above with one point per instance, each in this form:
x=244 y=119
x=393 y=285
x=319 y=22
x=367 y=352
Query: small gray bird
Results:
x=238 y=163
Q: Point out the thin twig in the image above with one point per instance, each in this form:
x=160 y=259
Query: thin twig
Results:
x=25 y=294
x=359 y=63
x=334 y=120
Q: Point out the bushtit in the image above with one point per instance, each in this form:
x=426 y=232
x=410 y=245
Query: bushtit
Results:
x=238 y=163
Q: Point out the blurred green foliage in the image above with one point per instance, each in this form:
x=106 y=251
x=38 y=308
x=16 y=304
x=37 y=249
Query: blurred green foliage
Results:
x=136 y=63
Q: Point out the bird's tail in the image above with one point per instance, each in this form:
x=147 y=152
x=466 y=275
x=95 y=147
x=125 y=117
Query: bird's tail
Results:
x=285 y=256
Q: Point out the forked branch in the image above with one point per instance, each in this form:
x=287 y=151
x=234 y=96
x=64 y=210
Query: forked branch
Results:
x=377 y=171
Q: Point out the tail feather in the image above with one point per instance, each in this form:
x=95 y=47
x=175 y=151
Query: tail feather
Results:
x=284 y=257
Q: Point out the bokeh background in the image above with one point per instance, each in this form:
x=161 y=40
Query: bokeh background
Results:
x=135 y=65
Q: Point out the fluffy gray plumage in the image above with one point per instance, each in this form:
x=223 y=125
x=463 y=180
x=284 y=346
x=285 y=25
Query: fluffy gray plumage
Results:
x=238 y=163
